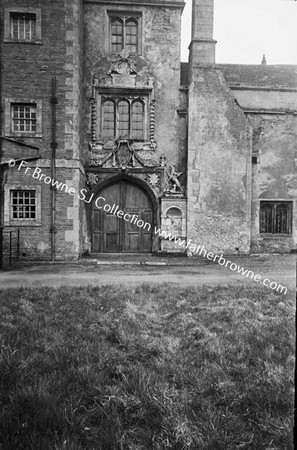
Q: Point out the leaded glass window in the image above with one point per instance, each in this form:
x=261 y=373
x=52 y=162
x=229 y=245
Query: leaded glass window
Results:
x=276 y=217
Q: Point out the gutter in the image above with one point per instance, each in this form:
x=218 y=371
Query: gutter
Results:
x=54 y=145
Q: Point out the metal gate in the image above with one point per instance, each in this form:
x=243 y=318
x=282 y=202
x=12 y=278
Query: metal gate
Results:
x=9 y=247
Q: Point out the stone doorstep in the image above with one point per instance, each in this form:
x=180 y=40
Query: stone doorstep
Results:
x=131 y=263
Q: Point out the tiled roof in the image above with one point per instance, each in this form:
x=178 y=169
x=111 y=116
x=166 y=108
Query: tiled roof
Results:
x=280 y=76
x=241 y=75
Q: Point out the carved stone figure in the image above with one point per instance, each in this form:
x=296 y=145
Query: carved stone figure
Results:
x=173 y=184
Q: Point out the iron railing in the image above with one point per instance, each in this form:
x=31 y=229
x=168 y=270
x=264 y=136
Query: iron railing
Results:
x=9 y=247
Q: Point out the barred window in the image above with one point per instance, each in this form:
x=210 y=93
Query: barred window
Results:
x=23 y=26
x=23 y=205
x=125 y=34
x=23 y=117
x=123 y=118
x=276 y=217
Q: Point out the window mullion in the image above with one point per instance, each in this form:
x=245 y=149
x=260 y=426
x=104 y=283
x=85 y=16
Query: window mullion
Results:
x=130 y=118
x=274 y=219
x=289 y=221
x=116 y=117
x=124 y=32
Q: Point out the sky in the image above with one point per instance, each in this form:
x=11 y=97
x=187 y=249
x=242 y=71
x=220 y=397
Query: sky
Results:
x=247 y=29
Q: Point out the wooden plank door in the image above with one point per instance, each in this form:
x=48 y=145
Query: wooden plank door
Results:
x=137 y=239
x=114 y=235
x=106 y=227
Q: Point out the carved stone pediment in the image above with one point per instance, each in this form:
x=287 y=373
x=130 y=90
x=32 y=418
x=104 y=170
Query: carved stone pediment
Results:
x=123 y=70
x=123 y=65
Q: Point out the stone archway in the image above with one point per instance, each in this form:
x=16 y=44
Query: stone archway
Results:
x=126 y=232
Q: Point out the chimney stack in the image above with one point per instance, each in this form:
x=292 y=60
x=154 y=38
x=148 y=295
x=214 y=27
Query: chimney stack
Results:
x=202 y=47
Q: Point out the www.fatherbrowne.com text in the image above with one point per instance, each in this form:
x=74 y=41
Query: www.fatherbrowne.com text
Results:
x=193 y=249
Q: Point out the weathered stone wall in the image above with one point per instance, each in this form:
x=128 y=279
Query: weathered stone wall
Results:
x=159 y=59
x=27 y=75
x=219 y=166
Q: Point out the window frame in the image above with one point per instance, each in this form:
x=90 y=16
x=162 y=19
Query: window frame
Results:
x=275 y=204
x=19 y=207
x=8 y=12
x=131 y=99
x=8 y=205
x=9 y=102
x=32 y=121
x=124 y=17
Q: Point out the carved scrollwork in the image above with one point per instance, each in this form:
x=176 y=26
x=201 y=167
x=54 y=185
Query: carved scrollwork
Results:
x=93 y=118
x=123 y=65
x=122 y=153
x=152 y=121
x=92 y=179
x=154 y=180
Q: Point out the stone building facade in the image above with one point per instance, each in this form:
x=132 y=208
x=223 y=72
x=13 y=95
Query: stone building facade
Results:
x=118 y=137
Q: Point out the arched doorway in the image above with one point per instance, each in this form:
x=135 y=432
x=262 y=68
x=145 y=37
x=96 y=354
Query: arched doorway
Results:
x=114 y=234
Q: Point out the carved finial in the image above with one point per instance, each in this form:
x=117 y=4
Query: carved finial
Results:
x=263 y=62
x=163 y=160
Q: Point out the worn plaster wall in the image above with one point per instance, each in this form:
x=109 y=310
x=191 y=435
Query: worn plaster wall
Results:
x=219 y=166
x=272 y=112
x=274 y=176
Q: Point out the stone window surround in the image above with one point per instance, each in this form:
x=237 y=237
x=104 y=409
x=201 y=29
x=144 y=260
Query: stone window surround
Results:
x=8 y=119
x=7 y=24
x=115 y=100
x=123 y=94
x=137 y=15
x=266 y=235
x=8 y=221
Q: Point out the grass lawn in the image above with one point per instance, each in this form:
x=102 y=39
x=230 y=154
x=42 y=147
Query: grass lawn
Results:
x=154 y=367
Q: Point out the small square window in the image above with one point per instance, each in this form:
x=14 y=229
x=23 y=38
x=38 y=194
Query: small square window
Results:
x=22 y=25
x=23 y=205
x=23 y=117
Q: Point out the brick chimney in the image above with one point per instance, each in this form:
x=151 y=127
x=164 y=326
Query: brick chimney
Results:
x=202 y=47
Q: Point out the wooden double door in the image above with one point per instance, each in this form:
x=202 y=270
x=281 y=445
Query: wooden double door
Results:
x=113 y=234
